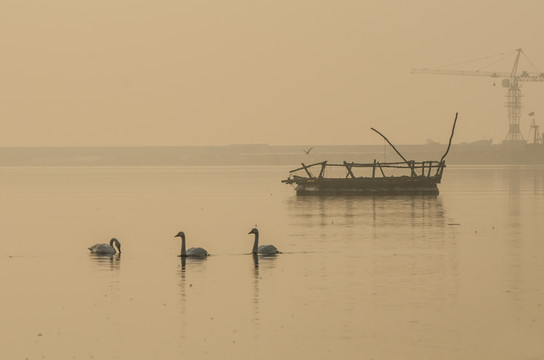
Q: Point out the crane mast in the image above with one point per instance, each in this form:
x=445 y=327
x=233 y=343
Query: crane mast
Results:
x=513 y=104
x=511 y=81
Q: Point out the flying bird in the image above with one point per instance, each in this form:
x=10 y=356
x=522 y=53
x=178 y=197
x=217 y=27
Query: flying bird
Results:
x=308 y=151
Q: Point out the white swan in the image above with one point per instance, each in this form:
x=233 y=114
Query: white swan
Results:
x=192 y=252
x=105 y=248
x=263 y=249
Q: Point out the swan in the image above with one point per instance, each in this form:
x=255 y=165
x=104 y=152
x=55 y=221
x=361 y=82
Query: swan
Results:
x=263 y=249
x=192 y=252
x=105 y=248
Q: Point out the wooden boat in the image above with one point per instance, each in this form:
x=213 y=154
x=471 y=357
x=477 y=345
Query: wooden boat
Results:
x=394 y=178
x=422 y=179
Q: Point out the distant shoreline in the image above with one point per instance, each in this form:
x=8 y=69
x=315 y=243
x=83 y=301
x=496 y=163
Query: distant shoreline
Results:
x=262 y=154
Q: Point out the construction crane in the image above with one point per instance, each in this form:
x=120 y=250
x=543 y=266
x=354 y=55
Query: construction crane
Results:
x=510 y=80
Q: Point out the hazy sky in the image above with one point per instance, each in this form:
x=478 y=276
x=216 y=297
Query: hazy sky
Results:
x=171 y=72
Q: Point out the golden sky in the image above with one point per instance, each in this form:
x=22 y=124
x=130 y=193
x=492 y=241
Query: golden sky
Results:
x=170 y=72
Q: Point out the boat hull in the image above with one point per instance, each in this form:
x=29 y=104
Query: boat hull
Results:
x=366 y=186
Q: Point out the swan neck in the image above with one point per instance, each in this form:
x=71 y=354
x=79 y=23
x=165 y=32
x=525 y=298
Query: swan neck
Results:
x=183 y=249
x=115 y=245
x=256 y=243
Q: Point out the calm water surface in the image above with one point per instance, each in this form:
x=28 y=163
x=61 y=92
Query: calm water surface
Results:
x=458 y=276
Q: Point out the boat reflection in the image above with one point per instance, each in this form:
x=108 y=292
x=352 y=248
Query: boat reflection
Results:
x=376 y=211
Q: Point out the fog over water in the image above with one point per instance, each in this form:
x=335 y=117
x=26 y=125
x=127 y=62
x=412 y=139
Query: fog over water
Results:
x=454 y=276
x=169 y=73
x=138 y=119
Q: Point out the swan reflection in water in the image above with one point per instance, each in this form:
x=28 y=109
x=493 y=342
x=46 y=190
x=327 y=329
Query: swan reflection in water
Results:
x=193 y=260
x=256 y=308
x=113 y=260
x=262 y=264
x=256 y=263
x=190 y=273
x=189 y=265
x=269 y=262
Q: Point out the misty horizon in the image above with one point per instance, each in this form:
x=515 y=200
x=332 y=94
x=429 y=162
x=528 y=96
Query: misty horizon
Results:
x=141 y=74
x=137 y=120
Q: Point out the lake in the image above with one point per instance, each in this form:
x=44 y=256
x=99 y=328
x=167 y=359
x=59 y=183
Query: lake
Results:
x=458 y=276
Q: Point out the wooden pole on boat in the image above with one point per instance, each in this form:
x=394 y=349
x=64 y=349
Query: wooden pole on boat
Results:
x=383 y=174
x=304 y=166
x=307 y=171
x=394 y=148
x=348 y=167
x=323 y=166
x=451 y=137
